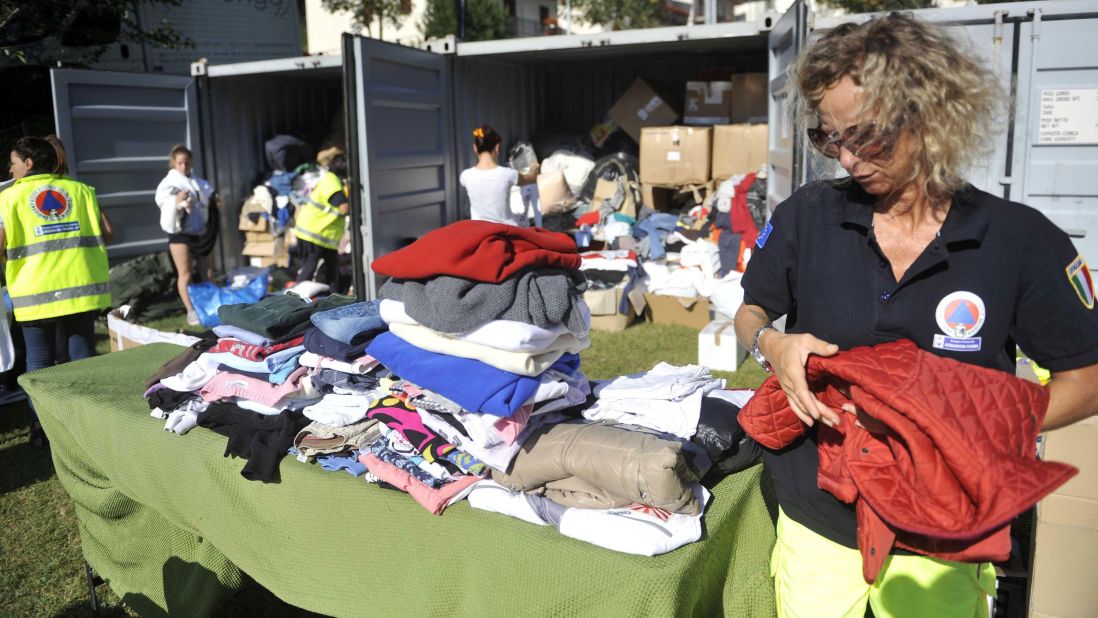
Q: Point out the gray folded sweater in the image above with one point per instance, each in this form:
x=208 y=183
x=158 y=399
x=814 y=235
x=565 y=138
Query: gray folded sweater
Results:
x=543 y=297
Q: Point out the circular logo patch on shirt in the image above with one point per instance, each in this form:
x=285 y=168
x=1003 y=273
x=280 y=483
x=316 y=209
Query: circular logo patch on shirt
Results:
x=960 y=314
x=50 y=203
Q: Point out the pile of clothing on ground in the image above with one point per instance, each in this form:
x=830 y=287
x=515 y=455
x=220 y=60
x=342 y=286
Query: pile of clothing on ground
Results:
x=463 y=381
x=610 y=269
x=703 y=251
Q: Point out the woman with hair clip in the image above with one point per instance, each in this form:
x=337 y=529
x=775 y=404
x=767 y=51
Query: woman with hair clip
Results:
x=904 y=248
x=185 y=201
x=489 y=184
x=53 y=242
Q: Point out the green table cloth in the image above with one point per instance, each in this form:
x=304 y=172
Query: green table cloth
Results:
x=169 y=522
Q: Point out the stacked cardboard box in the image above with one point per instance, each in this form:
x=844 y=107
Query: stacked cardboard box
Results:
x=604 y=305
x=738 y=149
x=675 y=156
x=1063 y=577
x=264 y=249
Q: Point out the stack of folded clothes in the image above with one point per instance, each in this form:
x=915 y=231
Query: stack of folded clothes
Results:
x=486 y=322
x=465 y=381
x=249 y=384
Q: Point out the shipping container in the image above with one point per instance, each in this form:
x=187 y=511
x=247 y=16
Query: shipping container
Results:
x=410 y=112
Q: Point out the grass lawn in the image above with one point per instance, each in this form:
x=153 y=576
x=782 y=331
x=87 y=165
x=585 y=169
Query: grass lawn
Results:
x=42 y=572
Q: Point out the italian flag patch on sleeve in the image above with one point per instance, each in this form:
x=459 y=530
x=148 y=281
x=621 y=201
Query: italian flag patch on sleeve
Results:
x=1079 y=275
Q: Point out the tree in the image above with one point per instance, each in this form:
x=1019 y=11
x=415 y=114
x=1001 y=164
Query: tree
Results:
x=45 y=32
x=485 y=20
x=622 y=14
x=876 y=6
x=363 y=12
x=439 y=19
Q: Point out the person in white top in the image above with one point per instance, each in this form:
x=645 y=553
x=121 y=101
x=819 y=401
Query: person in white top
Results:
x=184 y=201
x=489 y=184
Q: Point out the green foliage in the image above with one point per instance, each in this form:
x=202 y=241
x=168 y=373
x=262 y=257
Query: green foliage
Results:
x=485 y=20
x=622 y=14
x=51 y=31
x=363 y=12
x=876 y=6
x=439 y=19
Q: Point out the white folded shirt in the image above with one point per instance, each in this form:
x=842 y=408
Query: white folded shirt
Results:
x=507 y=335
x=635 y=529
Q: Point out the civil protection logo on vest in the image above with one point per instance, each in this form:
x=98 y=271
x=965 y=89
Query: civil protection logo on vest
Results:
x=1079 y=275
x=50 y=203
x=960 y=315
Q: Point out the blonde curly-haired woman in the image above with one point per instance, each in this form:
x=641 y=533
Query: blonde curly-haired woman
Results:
x=904 y=248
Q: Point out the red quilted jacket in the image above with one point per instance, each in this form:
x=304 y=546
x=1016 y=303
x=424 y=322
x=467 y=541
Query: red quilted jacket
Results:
x=957 y=462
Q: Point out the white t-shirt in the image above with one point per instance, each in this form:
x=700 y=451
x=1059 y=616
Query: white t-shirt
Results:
x=490 y=194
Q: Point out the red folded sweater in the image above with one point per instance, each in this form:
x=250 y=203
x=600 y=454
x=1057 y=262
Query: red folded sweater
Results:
x=481 y=251
x=956 y=463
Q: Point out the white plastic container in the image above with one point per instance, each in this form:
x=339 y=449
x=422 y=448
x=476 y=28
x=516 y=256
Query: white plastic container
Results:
x=718 y=348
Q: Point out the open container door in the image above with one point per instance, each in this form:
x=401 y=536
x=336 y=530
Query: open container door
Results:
x=118 y=129
x=1056 y=147
x=786 y=158
x=399 y=146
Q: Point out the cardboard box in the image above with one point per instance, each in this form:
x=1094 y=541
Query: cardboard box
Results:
x=1063 y=581
x=625 y=203
x=604 y=306
x=675 y=155
x=708 y=103
x=1075 y=503
x=641 y=106
x=738 y=149
x=750 y=97
x=273 y=260
x=656 y=198
x=264 y=245
x=718 y=348
x=692 y=312
x=613 y=323
x=604 y=302
x=125 y=335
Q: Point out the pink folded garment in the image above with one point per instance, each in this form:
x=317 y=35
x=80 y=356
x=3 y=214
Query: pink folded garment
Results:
x=509 y=427
x=434 y=500
x=228 y=384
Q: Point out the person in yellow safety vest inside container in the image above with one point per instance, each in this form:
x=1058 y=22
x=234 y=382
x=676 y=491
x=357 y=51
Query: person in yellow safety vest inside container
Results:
x=53 y=242
x=320 y=222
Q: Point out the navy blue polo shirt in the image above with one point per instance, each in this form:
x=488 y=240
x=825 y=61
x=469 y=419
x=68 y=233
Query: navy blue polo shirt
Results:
x=998 y=274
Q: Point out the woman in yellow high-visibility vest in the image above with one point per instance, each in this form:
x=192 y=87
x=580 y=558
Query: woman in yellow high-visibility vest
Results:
x=319 y=224
x=52 y=242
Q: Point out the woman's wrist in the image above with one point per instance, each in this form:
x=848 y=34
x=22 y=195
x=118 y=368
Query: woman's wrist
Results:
x=756 y=346
x=767 y=336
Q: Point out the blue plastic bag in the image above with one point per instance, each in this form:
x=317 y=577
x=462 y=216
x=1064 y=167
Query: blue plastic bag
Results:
x=207 y=297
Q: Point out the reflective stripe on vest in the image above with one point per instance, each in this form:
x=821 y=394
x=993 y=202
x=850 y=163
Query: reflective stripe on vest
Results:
x=94 y=289
x=321 y=224
x=327 y=209
x=315 y=238
x=18 y=253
